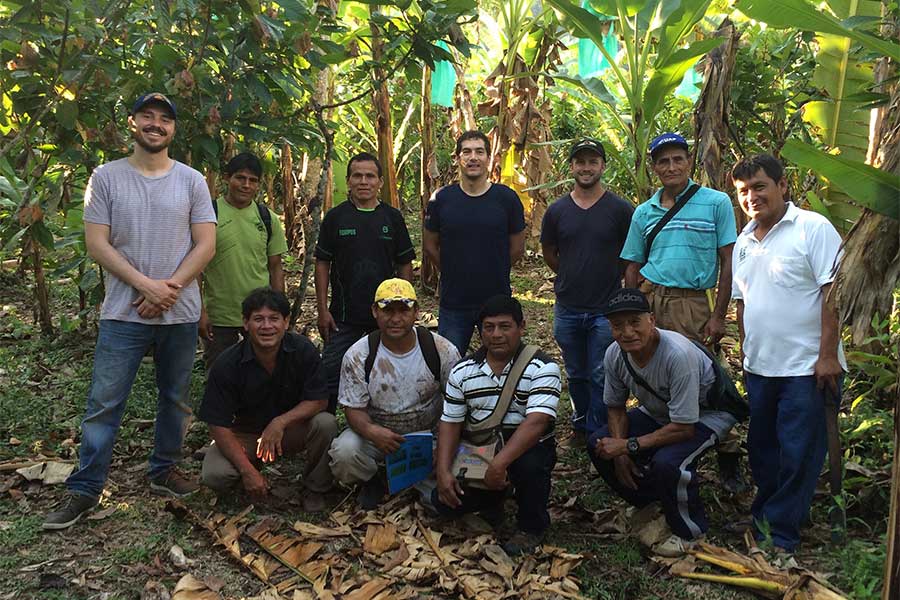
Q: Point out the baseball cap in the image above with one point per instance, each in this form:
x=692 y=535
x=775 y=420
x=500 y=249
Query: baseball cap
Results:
x=154 y=97
x=627 y=300
x=395 y=290
x=667 y=139
x=587 y=144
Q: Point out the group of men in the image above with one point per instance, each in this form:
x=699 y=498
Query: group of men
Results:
x=151 y=224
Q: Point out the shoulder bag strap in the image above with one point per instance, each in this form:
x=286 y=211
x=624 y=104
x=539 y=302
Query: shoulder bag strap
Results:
x=506 y=394
x=670 y=214
x=640 y=380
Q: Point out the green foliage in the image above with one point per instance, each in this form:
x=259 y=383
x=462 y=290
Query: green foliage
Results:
x=860 y=569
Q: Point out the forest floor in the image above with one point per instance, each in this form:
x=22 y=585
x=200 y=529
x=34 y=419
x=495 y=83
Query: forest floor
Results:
x=124 y=551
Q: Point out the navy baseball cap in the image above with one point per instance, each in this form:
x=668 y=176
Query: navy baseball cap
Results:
x=667 y=139
x=158 y=99
x=627 y=300
x=587 y=144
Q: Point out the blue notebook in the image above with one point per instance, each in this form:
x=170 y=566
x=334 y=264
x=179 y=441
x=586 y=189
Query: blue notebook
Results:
x=412 y=463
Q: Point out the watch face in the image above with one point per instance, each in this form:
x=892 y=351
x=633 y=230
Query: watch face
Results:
x=633 y=446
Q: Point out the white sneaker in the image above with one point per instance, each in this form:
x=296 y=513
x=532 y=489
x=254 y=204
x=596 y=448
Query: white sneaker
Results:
x=674 y=546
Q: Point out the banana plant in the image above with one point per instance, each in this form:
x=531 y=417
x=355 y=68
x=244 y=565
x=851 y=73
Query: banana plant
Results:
x=655 y=37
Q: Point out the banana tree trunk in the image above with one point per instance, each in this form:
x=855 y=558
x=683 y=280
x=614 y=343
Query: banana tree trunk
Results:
x=384 y=130
x=429 y=175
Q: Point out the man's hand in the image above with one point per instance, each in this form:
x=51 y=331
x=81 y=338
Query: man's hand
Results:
x=146 y=309
x=204 y=327
x=827 y=371
x=449 y=489
x=609 y=448
x=384 y=439
x=326 y=324
x=268 y=447
x=495 y=476
x=714 y=330
x=163 y=293
x=254 y=483
x=626 y=471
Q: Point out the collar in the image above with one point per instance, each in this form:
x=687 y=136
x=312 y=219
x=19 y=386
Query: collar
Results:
x=790 y=215
x=480 y=357
x=654 y=199
x=289 y=343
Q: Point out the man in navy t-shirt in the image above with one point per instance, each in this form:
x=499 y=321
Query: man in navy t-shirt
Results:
x=474 y=232
x=582 y=235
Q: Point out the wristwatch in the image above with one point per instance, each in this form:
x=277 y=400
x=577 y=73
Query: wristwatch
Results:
x=633 y=446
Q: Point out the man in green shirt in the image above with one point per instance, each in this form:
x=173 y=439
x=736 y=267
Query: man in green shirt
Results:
x=249 y=244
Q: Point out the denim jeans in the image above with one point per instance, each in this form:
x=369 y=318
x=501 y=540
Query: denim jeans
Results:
x=120 y=347
x=333 y=355
x=786 y=443
x=457 y=325
x=583 y=339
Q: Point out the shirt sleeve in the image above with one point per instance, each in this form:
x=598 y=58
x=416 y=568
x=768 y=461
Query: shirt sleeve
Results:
x=432 y=220
x=325 y=243
x=823 y=245
x=403 y=248
x=315 y=384
x=515 y=213
x=278 y=241
x=548 y=226
x=201 y=202
x=543 y=397
x=635 y=245
x=454 y=400
x=449 y=359
x=97 y=207
x=353 y=390
x=684 y=388
x=615 y=392
x=220 y=398
x=726 y=230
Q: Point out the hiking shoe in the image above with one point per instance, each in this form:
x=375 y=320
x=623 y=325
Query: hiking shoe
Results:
x=173 y=484
x=370 y=493
x=522 y=543
x=674 y=546
x=69 y=512
x=313 y=502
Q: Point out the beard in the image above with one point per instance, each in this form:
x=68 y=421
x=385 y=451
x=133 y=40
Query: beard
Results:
x=151 y=148
x=589 y=183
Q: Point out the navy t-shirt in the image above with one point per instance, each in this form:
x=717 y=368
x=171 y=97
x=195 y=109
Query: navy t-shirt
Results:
x=589 y=243
x=364 y=248
x=474 y=233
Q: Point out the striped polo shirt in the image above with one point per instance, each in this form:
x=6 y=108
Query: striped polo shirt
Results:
x=472 y=388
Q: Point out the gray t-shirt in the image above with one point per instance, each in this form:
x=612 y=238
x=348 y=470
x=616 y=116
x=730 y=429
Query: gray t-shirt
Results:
x=149 y=221
x=679 y=372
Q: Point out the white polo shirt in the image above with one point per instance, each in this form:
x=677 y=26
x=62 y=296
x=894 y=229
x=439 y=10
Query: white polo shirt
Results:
x=779 y=279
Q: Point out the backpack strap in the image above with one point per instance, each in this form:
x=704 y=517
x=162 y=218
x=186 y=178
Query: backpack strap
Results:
x=266 y=217
x=429 y=351
x=374 y=340
x=670 y=214
x=215 y=207
x=495 y=419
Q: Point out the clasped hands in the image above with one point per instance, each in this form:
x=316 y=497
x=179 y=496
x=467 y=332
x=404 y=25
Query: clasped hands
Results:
x=156 y=297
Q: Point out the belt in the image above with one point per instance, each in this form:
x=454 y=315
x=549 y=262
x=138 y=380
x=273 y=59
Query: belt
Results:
x=662 y=290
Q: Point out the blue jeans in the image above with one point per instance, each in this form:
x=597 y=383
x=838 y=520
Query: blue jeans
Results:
x=583 y=339
x=457 y=325
x=120 y=347
x=786 y=444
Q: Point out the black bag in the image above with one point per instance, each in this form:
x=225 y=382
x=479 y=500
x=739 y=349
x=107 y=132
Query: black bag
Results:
x=722 y=395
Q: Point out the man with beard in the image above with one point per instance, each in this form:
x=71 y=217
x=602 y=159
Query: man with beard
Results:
x=474 y=232
x=583 y=233
x=149 y=222
x=361 y=243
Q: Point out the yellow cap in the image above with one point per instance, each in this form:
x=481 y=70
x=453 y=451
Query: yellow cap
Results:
x=395 y=290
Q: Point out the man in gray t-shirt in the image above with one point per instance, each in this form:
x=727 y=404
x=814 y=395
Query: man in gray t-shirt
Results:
x=650 y=453
x=149 y=222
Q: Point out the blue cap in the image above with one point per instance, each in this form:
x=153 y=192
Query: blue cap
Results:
x=667 y=139
x=154 y=97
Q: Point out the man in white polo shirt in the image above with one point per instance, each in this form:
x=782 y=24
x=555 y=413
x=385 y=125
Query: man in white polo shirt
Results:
x=784 y=264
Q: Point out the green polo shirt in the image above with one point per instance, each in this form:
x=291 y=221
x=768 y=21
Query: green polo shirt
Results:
x=241 y=263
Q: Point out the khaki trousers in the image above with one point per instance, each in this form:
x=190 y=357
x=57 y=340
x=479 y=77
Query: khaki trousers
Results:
x=354 y=459
x=314 y=435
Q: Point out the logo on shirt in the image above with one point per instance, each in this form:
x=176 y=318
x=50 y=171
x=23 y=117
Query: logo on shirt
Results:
x=742 y=254
x=346 y=232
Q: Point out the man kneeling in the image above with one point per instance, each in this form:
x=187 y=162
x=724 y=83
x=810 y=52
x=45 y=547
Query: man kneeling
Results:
x=650 y=453
x=475 y=388
x=266 y=397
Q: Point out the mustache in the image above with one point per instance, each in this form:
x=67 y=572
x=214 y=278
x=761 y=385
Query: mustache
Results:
x=153 y=130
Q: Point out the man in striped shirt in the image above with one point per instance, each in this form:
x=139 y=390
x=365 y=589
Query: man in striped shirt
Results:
x=529 y=451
